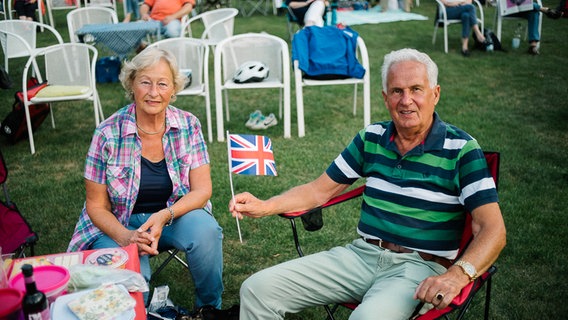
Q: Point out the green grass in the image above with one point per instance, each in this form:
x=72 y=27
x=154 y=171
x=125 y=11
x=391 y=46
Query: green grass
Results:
x=510 y=102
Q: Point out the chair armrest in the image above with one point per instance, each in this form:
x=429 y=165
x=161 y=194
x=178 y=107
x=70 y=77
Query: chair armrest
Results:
x=333 y=201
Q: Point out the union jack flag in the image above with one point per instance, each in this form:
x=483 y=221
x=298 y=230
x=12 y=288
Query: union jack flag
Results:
x=252 y=155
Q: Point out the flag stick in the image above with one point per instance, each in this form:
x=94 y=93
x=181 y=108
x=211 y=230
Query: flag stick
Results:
x=231 y=182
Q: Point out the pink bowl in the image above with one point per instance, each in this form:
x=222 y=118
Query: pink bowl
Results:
x=52 y=280
x=10 y=308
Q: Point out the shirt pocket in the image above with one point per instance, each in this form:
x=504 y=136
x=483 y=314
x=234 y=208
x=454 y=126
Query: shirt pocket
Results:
x=118 y=182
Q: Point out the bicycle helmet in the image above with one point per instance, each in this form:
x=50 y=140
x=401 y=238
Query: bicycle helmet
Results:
x=251 y=71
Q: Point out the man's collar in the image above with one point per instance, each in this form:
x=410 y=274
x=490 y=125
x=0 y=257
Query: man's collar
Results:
x=434 y=140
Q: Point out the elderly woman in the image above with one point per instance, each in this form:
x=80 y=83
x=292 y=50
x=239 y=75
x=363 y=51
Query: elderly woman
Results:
x=464 y=10
x=147 y=178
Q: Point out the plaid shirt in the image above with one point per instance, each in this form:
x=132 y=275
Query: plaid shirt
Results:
x=114 y=159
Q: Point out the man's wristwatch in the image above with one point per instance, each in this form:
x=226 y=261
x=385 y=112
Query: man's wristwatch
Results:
x=467 y=268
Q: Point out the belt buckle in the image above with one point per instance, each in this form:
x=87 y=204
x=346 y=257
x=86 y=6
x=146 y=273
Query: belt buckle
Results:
x=381 y=245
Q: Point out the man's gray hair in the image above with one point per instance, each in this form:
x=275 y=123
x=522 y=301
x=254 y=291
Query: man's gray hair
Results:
x=408 y=54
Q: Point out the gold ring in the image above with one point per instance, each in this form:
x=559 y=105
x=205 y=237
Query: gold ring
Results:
x=439 y=296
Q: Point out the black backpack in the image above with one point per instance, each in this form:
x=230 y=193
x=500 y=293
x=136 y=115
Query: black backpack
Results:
x=492 y=37
x=14 y=127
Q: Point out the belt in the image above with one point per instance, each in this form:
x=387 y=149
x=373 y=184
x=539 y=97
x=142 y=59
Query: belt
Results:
x=400 y=249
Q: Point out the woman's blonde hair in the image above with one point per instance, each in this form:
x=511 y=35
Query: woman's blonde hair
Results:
x=145 y=59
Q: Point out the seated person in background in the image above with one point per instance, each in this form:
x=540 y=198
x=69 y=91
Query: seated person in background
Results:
x=464 y=10
x=422 y=175
x=308 y=12
x=533 y=18
x=25 y=9
x=147 y=179
x=168 y=12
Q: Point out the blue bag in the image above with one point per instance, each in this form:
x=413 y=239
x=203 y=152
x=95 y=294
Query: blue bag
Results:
x=107 y=69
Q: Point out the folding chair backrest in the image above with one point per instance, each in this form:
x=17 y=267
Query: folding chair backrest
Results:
x=16 y=233
x=493 y=162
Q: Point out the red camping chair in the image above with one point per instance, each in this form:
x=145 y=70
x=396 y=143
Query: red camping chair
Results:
x=16 y=234
x=460 y=303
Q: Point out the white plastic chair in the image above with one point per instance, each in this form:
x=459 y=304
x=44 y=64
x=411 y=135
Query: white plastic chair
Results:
x=234 y=51
x=300 y=82
x=19 y=38
x=192 y=54
x=218 y=24
x=498 y=23
x=79 y=17
x=8 y=11
x=70 y=68
x=60 y=5
x=102 y=3
x=441 y=20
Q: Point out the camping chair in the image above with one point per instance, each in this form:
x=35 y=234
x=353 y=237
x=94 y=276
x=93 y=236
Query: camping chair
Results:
x=301 y=80
x=232 y=52
x=461 y=302
x=192 y=54
x=16 y=234
x=171 y=254
x=441 y=20
x=498 y=23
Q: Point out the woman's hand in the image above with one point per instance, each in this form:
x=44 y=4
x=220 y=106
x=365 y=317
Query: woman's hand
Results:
x=149 y=233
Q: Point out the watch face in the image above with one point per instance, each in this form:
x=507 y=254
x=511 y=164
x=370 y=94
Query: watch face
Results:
x=469 y=269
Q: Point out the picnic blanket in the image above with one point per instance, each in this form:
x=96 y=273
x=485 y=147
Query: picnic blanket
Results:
x=373 y=16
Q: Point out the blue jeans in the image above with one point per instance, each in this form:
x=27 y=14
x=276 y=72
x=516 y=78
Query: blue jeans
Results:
x=132 y=6
x=466 y=14
x=383 y=280
x=533 y=18
x=196 y=233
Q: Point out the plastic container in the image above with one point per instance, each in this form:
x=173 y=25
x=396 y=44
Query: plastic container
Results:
x=11 y=306
x=110 y=257
x=52 y=280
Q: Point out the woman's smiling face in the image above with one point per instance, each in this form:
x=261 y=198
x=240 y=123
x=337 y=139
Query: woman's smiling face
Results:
x=153 y=88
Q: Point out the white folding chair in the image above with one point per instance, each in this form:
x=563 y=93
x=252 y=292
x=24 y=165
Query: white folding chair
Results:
x=441 y=20
x=70 y=68
x=19 y=38
x=79 y=17
x=300 y=82
x=218 y=25
x=498 y=23
x=60 y=5
x=232 y=52
x=192 y=54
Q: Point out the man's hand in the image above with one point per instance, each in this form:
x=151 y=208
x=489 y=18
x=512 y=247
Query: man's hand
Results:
x=245 y=204
x=441 y=290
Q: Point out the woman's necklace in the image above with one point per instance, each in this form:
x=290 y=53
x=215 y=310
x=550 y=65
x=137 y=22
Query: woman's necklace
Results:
x=151 y=133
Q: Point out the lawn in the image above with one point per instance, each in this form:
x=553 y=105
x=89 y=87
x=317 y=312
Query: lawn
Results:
x=509 y=101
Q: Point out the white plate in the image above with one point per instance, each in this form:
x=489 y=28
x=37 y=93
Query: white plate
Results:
x=60 y=310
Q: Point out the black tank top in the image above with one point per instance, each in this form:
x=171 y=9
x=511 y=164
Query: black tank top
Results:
x=155 y=187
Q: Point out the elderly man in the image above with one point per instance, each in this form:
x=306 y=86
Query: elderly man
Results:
x=169 y=12
x=422 y=175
